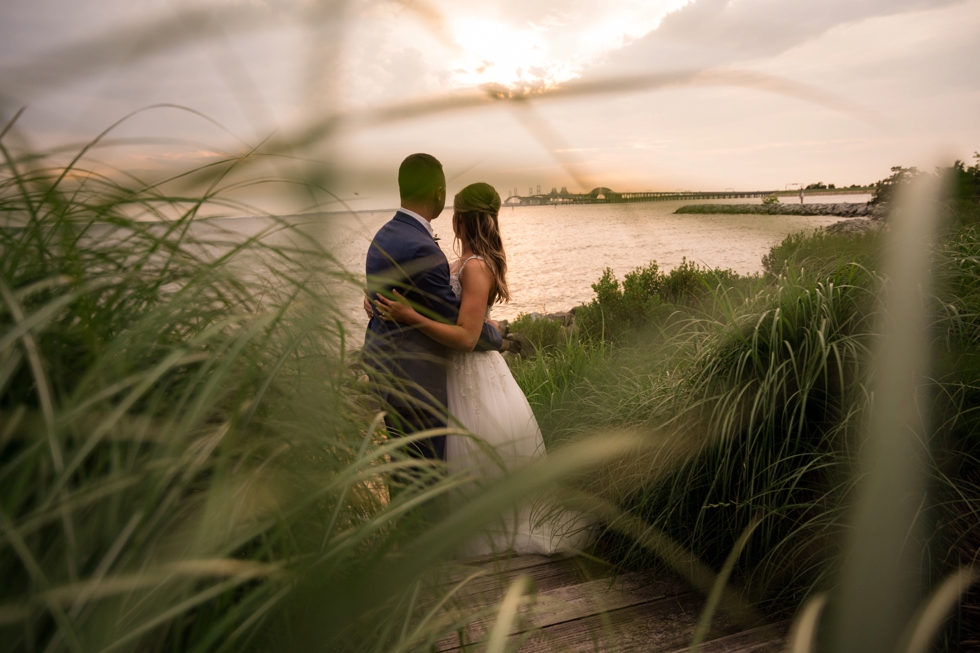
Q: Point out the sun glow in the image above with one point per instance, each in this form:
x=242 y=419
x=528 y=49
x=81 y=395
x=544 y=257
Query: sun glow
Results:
x=529 y=54
x=493 y=52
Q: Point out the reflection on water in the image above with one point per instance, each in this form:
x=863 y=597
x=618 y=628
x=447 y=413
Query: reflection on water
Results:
x=556 y=253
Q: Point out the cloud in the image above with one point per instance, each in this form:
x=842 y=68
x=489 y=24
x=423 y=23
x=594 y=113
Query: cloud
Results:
x=529 y=42
x=909 y=59
x=717 y=32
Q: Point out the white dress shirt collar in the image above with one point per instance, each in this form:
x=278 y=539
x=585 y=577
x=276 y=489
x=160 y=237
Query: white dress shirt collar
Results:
x=425 y=223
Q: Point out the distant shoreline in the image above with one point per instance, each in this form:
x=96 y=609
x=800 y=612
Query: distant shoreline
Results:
x=392 y=210
x=863 y=190
x=842 y=209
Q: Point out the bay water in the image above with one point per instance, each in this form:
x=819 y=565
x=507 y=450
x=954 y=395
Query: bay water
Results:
x=555 y=253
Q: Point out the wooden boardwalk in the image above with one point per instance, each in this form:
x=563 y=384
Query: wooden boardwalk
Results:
x=578 y=607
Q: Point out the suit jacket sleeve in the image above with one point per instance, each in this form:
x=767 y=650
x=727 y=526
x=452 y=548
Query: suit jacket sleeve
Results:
x=438 y=293
x=490 y=339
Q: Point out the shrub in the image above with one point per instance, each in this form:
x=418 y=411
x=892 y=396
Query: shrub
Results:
x=647 y=297
x=885 y=189
x=966 y=180
x=822 y=252
x=544 y=334
x=964 y=184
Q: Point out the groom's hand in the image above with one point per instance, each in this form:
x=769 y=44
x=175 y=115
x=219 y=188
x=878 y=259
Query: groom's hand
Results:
x=368 y=308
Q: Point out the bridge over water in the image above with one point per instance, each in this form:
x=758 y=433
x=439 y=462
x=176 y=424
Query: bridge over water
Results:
x=607 y=196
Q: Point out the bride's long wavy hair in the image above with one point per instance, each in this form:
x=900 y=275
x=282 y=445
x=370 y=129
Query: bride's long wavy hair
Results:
x=475 y=211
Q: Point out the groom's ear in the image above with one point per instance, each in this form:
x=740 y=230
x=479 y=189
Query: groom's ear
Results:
x=438 y=201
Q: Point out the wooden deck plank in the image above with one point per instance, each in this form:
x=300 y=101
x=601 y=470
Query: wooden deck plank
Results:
x=520 y=562
x=574 y=611
x=600 y=596
x=659 y=626
x=547 y=577
x=572 y=603
x=764 y=639
x=457 y=571
x=531 y=565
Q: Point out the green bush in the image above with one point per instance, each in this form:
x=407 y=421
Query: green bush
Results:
x=647 y=298
x=884 y=190
x=820 y=252
x=966 y=180
x=544 y=334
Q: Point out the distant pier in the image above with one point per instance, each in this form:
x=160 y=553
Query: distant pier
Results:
x=608 y=196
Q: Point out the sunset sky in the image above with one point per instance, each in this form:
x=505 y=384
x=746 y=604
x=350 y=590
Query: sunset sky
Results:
x=901 y=76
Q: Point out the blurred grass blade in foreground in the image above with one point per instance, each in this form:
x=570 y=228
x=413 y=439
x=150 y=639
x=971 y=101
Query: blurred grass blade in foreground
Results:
x=934 y=611
x=883 y=568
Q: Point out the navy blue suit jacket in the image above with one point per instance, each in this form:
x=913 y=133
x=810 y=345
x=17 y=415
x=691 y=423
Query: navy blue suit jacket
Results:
x=404 y=256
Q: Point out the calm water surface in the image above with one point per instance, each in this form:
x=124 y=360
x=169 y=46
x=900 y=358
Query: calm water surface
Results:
x=556 y=253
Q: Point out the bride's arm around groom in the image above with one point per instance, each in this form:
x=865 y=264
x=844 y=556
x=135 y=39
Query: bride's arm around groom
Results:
x=464 y=335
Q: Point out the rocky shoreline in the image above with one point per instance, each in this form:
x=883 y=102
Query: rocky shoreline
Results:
x=843 y=209
x=855 y=226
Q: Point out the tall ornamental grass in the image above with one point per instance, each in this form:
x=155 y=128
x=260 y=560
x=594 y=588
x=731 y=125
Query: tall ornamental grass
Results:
x=190 y=459
x=174 y=437
x=187 y=462
x=760 y=393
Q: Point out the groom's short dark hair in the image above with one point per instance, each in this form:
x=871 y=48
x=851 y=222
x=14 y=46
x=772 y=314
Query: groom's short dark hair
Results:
x=419 y=177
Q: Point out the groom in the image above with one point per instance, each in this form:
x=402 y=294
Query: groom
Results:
x=409 y=368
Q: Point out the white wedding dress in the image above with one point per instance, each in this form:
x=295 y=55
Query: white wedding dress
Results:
x=485 y=399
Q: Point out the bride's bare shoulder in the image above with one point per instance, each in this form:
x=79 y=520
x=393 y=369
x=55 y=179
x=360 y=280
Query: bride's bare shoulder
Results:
x=474 y=266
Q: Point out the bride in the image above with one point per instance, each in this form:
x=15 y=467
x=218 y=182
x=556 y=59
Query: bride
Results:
x=483 y=396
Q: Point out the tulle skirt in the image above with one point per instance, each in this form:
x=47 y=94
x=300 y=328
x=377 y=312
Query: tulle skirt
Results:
x=485 y=399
